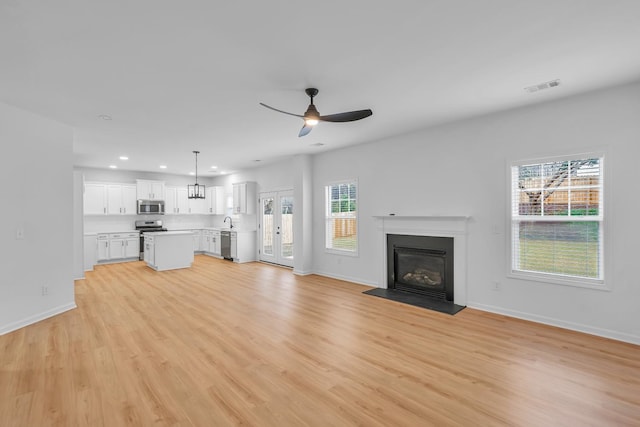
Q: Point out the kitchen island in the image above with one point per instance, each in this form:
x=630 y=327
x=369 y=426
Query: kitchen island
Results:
x=168 y=250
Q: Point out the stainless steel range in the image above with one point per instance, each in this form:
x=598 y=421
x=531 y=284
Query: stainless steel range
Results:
x=145 y=227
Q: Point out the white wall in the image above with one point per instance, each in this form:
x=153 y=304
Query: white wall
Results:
x=37 y=176
x=461 y=169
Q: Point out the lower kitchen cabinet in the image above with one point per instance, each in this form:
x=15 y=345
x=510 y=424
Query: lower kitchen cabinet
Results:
x=103 y=247
x=243 y=246
x=125 y=245
x=117 y=246
x=168 y=250
x=211 y=242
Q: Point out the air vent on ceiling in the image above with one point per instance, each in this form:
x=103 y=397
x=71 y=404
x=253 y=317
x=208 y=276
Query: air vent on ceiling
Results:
x=542 y=86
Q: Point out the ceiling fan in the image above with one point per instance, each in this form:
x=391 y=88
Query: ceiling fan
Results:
x=312 y=117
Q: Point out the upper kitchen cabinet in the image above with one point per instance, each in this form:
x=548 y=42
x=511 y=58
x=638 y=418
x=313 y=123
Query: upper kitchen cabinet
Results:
x=121 y=199
x=197 y=206
x=215 y=200
x=150 y=190
x=109 y=199
x=95 y=198
x=178 y=203
x=244 y=198
x=175 y=200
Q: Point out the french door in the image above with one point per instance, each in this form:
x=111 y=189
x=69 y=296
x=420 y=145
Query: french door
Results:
x=276 y=227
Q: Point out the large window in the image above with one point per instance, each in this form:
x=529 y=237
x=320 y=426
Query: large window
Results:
x=341 y=217
x=557 y=219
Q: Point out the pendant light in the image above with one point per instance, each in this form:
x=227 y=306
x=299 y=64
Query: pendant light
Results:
x=196 y=191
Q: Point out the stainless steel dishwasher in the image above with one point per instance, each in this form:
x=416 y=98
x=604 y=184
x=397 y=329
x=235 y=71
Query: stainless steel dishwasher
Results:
x=225 y=244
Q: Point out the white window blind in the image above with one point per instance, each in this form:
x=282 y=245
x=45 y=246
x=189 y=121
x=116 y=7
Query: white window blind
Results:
x=341 y=217
x=557 y=218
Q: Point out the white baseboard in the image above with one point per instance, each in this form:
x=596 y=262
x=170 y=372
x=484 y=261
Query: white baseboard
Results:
x=347 y=279
x=36 y=318
x=605 y=333
x=302 y=273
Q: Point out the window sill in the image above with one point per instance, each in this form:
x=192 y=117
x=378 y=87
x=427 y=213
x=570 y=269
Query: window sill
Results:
x=341 y=252
x=578 y=282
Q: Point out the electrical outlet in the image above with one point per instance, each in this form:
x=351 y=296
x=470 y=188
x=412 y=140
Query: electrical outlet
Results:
x=496 y=286
x=45 y=290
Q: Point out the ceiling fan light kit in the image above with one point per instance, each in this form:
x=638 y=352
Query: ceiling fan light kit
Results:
x=196 y=191
x=312 y=116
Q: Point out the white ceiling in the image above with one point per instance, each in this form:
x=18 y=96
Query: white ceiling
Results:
x=177 y=76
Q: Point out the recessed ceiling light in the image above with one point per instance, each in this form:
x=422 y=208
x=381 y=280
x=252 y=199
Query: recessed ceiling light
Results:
x=124 y=158
x=214 y=167
x=222 y=172
x=113 y=166
x=105 y=117
x=192 y=173
x=163 y=166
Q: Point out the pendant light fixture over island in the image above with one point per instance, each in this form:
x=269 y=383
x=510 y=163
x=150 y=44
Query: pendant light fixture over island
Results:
x=196 y=191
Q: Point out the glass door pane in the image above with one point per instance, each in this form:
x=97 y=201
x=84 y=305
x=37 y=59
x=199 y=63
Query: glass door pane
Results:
x=268 y=226
x=286 y=227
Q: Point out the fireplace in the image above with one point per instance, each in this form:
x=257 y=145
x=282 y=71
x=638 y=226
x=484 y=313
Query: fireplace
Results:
x=421 y=264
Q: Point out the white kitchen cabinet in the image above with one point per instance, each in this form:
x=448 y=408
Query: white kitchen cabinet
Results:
x=170 y=201
x=197 y=240
x=150 y=190
x=215 y=200
x=95 y=198
x=132 y=246
x=149 y=250
x=170 y=250
x=244 y=198
x=216 y=247
x=234 y=246
x=197 y=206
x=103 y=247
x=211 y=242
x=121 y=199
x=176 y=201
x=123 y=246
x=182 y=200
x=116 y=247
x=243 y=246
x=205 y=242
x=109 y=199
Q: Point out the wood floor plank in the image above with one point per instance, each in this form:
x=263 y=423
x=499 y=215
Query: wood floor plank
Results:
x=224 y=344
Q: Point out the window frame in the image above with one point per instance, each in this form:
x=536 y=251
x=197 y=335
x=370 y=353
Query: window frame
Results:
x=327 y=217
x=602 y=283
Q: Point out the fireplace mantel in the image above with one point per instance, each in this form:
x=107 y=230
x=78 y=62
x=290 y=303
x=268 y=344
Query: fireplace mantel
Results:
x=436 y=225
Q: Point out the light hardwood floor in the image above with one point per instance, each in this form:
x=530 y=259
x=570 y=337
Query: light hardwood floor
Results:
x=226 y=344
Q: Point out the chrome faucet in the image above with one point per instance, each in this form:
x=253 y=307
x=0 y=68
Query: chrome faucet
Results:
x=230 y=221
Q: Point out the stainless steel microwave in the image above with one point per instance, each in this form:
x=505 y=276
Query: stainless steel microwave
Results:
x=150 y=207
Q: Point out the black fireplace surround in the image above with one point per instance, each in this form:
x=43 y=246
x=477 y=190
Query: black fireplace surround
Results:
x=421 y=265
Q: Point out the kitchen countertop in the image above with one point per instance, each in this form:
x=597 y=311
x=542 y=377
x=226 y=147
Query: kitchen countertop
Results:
x=95 y=233
x=168 y=233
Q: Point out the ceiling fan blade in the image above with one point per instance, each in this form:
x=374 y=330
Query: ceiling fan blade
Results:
x=280 y=111
x=350 y=116
x=305 y=130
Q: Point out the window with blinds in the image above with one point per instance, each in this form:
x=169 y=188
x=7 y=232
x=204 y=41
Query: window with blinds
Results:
x=557 y=219
x=341 y=217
